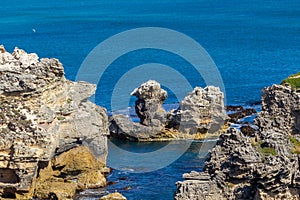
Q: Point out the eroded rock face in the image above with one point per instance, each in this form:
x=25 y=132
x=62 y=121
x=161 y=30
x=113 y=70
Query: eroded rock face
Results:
x=202 y=111
x=148 y=107
x=260 y=165
x=75 y=169
x=280 y=110
x=41 y=115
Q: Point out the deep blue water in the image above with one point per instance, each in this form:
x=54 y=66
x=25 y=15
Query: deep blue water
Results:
x=159 y=184
x=253 y=43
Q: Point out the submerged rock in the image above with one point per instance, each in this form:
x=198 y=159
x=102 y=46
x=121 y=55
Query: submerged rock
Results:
x=259 y=163
x=43 y=115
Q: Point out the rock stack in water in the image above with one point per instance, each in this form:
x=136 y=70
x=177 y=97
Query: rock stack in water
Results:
x=264 y=165
x=52 y=139
x=148 y=107
x=200 y=112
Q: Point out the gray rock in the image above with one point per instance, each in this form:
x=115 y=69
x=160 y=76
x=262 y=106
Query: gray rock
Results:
x=42 y=114
x=280 y=110
x=121 y=127
x=202 y=111
x=260 y=165
x=148 y=107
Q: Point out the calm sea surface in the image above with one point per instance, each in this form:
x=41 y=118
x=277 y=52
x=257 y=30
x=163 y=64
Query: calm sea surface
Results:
x=253 y=43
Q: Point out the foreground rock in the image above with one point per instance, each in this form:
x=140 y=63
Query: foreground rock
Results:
x=260 y=165
x=201 y=112
x=44 y=119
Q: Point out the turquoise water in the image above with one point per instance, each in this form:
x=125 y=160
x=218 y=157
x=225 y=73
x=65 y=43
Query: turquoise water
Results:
x=253 y=43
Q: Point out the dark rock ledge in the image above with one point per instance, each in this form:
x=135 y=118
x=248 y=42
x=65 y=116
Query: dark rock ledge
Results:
x=261 y=165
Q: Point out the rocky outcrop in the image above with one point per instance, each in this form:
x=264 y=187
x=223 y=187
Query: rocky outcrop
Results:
x=260 y=165
x=113 y=196
x=280 y=110
x=200 y=112
x=74 y=170
x=148 y=107
x=42 y=116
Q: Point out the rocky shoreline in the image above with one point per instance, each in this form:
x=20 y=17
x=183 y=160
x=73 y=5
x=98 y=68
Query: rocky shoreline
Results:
x=263 y=165
x=53 y=140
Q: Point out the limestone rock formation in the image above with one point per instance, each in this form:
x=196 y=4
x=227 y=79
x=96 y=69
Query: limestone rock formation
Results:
x=202 y=111
x=42 y=115
x=148 y=107
x=280 y=110
x=75 y=169
x=260 y=165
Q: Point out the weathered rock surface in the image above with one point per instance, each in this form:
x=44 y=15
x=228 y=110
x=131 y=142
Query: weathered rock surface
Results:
x=148 y=107
x=202 y=111
x=261 y=165
x=75 y=169
x=280 y=110
x=42 y=115
x=113 y=196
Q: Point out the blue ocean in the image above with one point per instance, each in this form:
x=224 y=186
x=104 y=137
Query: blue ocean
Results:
x=253 y=44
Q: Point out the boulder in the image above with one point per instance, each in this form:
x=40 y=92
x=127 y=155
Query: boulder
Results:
x=113 y=196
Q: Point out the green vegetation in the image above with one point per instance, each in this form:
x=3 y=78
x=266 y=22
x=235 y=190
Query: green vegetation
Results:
x=4 y=130
x=266 y=151
x=296 y=145
x=293 y=81
x=69 y=100
x=61 y=118
x=2 y=116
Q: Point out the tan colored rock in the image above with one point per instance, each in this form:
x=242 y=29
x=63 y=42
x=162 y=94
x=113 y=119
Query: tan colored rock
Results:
x=2 y=49
x=43 y=115
x=113 y=196
x=201 y=111
x=90 y=180
x=56 y=188
x=76 y=159
x=75 y=169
